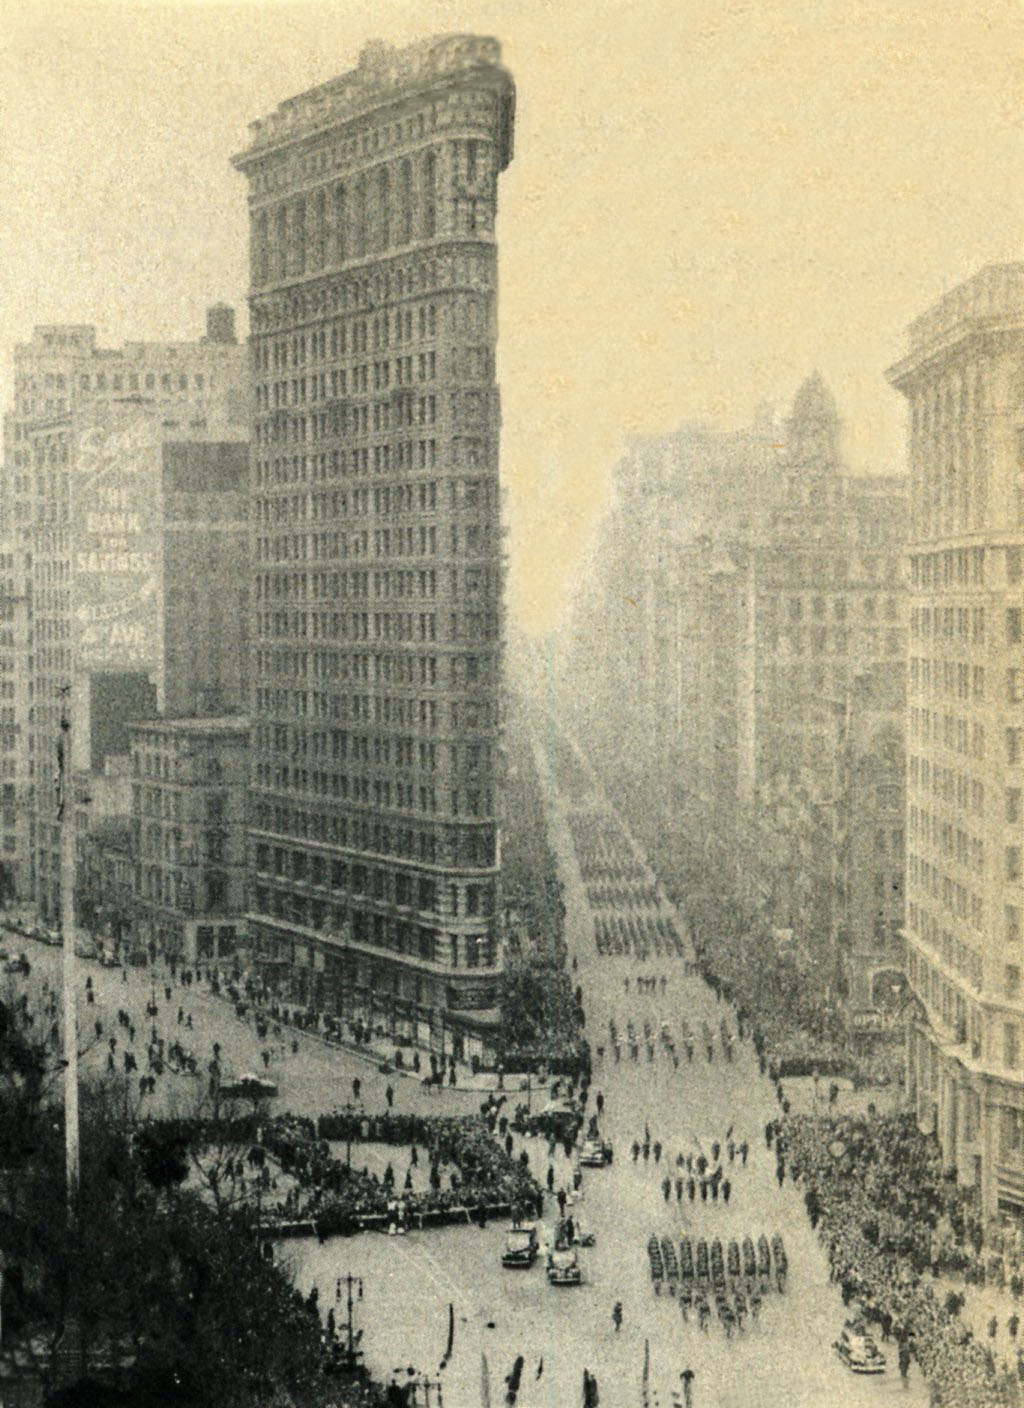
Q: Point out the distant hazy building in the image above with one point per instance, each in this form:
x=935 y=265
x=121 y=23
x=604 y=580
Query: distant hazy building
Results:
x=740 y=645
x=378 y=569
x=963 y=377
x=105 y=516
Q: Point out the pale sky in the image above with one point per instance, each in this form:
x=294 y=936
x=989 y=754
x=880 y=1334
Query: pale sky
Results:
x=708 y=199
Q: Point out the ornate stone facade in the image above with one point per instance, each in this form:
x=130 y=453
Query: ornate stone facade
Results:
x=378 y=582
x=963 y=379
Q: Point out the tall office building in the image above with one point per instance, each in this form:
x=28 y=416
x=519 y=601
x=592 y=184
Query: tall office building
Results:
x=749 y=597
x=125 y=469
x=377 y=553
x=963 y=377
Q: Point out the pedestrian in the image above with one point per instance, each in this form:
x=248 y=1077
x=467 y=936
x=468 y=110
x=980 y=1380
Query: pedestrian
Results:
x=617 y=1314
x=691 y=1188
x=181 y=1016
x=551 y=1178
x=666 y=1187
x=726 y=1190
x=356 y=1087
x=703 y=1190
x=561 y=1202
x=744 y=1151
x=679 y=1190
x=508 y=1143
x=657 y=1152
x=389 y=1095
x=903 y=1354
x=636 y=1151
x=780 y=1172
x=600 y=1103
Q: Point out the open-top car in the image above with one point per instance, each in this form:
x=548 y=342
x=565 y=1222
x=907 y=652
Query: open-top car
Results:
x=249 y=1087
x=596 y=1153
x=521 y=1246
x=564 y=1267
x=858 y=1350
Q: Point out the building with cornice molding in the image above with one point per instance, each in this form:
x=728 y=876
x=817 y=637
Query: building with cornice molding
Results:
x=377 y=551
x=741 y=648
x=113 y=538
x=963 y=378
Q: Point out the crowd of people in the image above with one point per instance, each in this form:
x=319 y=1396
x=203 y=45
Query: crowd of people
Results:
x=875 y=1191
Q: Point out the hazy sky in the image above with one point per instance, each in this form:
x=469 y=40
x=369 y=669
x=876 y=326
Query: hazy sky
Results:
x=707 y=200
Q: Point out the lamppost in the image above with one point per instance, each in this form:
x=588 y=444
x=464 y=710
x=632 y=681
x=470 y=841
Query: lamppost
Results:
x=66 y=821
x=351 y=1353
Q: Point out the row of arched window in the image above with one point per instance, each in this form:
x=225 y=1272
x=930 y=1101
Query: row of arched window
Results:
x=383 y=209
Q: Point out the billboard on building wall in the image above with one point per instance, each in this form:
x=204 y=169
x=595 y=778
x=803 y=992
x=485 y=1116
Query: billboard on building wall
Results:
x=116 y=506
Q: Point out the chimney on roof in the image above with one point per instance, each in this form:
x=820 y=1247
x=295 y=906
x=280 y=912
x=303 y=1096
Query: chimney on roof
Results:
x=220 y=323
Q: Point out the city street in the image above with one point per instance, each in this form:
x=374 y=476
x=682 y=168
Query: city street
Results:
x=785 y=1360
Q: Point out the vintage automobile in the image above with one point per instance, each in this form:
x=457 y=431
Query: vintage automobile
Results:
x=521 y=1246
x=596 y=1153
x=858 y=1350
x=248 y=1087
x=564 y=1267
x=18 y=965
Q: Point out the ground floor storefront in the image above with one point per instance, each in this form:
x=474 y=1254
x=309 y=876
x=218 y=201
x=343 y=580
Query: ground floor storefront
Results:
x=977 y=1117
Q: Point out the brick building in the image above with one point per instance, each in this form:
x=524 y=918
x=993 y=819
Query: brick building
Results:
x=188 y=833
x=84 y=495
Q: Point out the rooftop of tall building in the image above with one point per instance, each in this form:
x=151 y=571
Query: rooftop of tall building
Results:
x=382 y=71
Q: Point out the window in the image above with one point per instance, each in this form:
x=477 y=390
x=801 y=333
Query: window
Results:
x=1011 y=1131
x=1013 y=863
x=1013 y=625
x=1012 y=977
x=1013 y=924
x=1011 y=1046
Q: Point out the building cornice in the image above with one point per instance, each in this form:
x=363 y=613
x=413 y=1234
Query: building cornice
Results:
x=384 y=75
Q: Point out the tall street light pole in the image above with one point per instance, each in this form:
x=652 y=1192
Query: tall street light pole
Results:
x=66 y=818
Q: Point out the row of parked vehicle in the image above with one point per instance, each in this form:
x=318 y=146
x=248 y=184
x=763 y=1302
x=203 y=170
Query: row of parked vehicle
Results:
x=522 y=1248
x=716 y=1264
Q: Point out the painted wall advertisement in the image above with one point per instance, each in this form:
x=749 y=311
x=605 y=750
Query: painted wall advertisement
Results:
x=117 y=546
